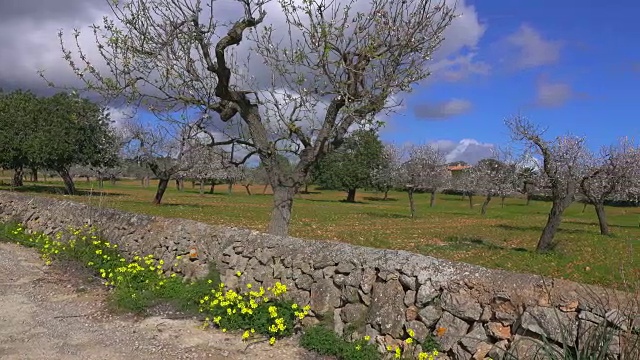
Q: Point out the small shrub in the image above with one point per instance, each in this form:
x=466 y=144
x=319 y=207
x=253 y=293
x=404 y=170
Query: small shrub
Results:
x=431 y=344
x=261 y=311
x=325 y=342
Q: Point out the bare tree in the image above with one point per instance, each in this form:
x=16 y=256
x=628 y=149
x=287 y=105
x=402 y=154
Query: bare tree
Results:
x=336 y=66
x=425 y=170
x=248 y=177
x=563 y=160
x=464 y=181
x=387 y=176
x=494 y=177
x=165 y=150
x=207 y=164
x=607 y=175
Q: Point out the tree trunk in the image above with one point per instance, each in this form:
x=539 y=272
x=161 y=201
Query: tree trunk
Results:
x=528 y=199
x=213 y=187
x=551 y=228
x=502 y=201
x=584 y=206
x=142 y=182
x=351 y=195
x=69 y=186
x=88 y=178
x=112 y=180
x=470 y=201
x=483 y=211
x=193 y=184
x=433 y=199
x=386 y=194
x=306 y=188
x=146 y=181
x=18 y=174
x=281 y=212
x=201 y=187
x=264 y=191
x=162 y=187
x=34 y=174
x=230 y=188
x=248 y=190
x=100 y=182
x=412 y=205
x=602 y=218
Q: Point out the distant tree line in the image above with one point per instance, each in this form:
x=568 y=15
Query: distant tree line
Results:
x=73 y=137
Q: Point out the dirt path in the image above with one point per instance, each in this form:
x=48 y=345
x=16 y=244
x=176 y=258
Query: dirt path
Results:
x=49 y=313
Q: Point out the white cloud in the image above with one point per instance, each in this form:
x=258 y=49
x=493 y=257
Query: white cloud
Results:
x=459 y=68
x=442 y=110
x=37 y=45
x=529 y=49
x=119 y=115
x=553 y=94
x=468 y=150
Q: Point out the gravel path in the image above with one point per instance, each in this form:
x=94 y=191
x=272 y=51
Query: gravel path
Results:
x=55 y=313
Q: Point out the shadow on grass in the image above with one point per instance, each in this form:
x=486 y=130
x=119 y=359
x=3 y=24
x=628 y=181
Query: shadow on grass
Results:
x=58 y=190
x=462 y=243
x=539 y=228
x=376 y=198
x=192 y=206
x=310 y=192
x=387 y=215
x=337 y=201
x=593 y=223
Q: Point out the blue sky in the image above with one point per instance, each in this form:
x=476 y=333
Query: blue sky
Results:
x=572 y=66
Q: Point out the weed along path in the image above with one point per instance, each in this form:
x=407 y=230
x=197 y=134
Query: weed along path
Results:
x=50 y=312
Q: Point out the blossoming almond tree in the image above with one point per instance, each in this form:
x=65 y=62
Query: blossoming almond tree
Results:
x=336 y=64
x=425 y=170
x=388 y=175
x=563 y=165
x=494 y=177
x=608 y=174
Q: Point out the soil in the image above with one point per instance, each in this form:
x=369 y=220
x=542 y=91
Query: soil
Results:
x=61 y=312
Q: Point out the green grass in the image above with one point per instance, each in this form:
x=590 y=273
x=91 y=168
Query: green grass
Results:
x=505 y=238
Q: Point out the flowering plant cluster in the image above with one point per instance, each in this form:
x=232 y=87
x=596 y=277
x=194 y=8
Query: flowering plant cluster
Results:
x=262 y=311
x=135 y=282
x=139 y=282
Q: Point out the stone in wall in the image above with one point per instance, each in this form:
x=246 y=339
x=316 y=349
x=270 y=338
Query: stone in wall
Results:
x=551 y=323
x=325 y=297
x=387 y=312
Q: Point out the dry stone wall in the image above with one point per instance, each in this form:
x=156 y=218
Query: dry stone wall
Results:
x=473 y=312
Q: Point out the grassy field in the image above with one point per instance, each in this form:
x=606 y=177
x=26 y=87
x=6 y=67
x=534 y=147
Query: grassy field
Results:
x=505 y=238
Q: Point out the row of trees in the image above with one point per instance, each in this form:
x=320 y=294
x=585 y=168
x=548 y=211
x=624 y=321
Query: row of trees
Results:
x=72 y=137
x=565 y=172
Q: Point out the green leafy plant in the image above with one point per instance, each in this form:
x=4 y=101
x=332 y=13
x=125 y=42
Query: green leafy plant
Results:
x=326 y=342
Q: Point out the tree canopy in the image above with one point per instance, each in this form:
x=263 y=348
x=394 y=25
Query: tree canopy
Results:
x=352 y=165
x=54 y=133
